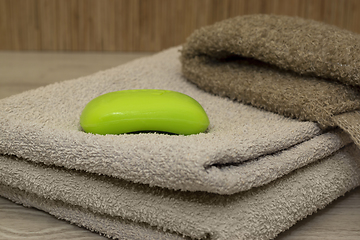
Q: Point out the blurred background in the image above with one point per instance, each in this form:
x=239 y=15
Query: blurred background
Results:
x=142 y=25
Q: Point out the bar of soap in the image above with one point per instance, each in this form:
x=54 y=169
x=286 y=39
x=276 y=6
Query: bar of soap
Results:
x=140 y=110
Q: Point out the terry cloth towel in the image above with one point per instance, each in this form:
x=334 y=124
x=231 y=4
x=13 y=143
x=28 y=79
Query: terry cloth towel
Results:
x=125 y=210
x=243 y=178
x=244 y=147
x=292 y=66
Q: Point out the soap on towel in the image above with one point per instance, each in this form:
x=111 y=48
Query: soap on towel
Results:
x=244 y=147
x=251 y=176
x=295 y=67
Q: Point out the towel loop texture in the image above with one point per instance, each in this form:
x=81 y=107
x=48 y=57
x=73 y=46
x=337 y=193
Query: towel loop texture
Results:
x=299 y=68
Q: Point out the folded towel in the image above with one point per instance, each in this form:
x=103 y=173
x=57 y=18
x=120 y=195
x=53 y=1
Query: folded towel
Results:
x=117 y=208
x=252 y=175
x=42 y=125
x=292 y=66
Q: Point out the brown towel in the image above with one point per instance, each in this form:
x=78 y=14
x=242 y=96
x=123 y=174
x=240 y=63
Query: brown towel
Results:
x=295 y=67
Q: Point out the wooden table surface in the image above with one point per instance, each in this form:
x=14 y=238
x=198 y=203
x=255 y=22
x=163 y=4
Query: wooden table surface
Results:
x=21 y=71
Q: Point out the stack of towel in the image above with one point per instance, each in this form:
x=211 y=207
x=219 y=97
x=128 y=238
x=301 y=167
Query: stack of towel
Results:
x=251 y=175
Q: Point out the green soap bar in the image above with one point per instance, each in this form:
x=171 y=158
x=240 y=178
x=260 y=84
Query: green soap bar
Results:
x=144 y=110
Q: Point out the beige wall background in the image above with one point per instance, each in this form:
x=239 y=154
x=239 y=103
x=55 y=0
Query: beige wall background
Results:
x=142 y=25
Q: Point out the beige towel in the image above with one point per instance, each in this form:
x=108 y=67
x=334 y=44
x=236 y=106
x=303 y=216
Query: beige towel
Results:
x=117 y=208
x=252 y=175
x=42 y=125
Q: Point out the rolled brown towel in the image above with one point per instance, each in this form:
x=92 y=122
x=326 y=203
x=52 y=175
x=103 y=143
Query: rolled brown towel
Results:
x=295 y=67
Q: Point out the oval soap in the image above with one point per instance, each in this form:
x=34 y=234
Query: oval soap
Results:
x=144 y=110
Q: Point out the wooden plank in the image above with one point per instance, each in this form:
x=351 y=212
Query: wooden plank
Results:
x=142 y=25
x=4 y=17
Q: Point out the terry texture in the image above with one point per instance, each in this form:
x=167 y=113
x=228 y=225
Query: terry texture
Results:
x=42 y=125
x=292 y=66
x=260 y=213
x=104 y=224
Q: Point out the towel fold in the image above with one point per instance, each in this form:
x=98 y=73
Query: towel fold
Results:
x=252 y=175
x=295 y=67
x=104 y=224
x=131 y=209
